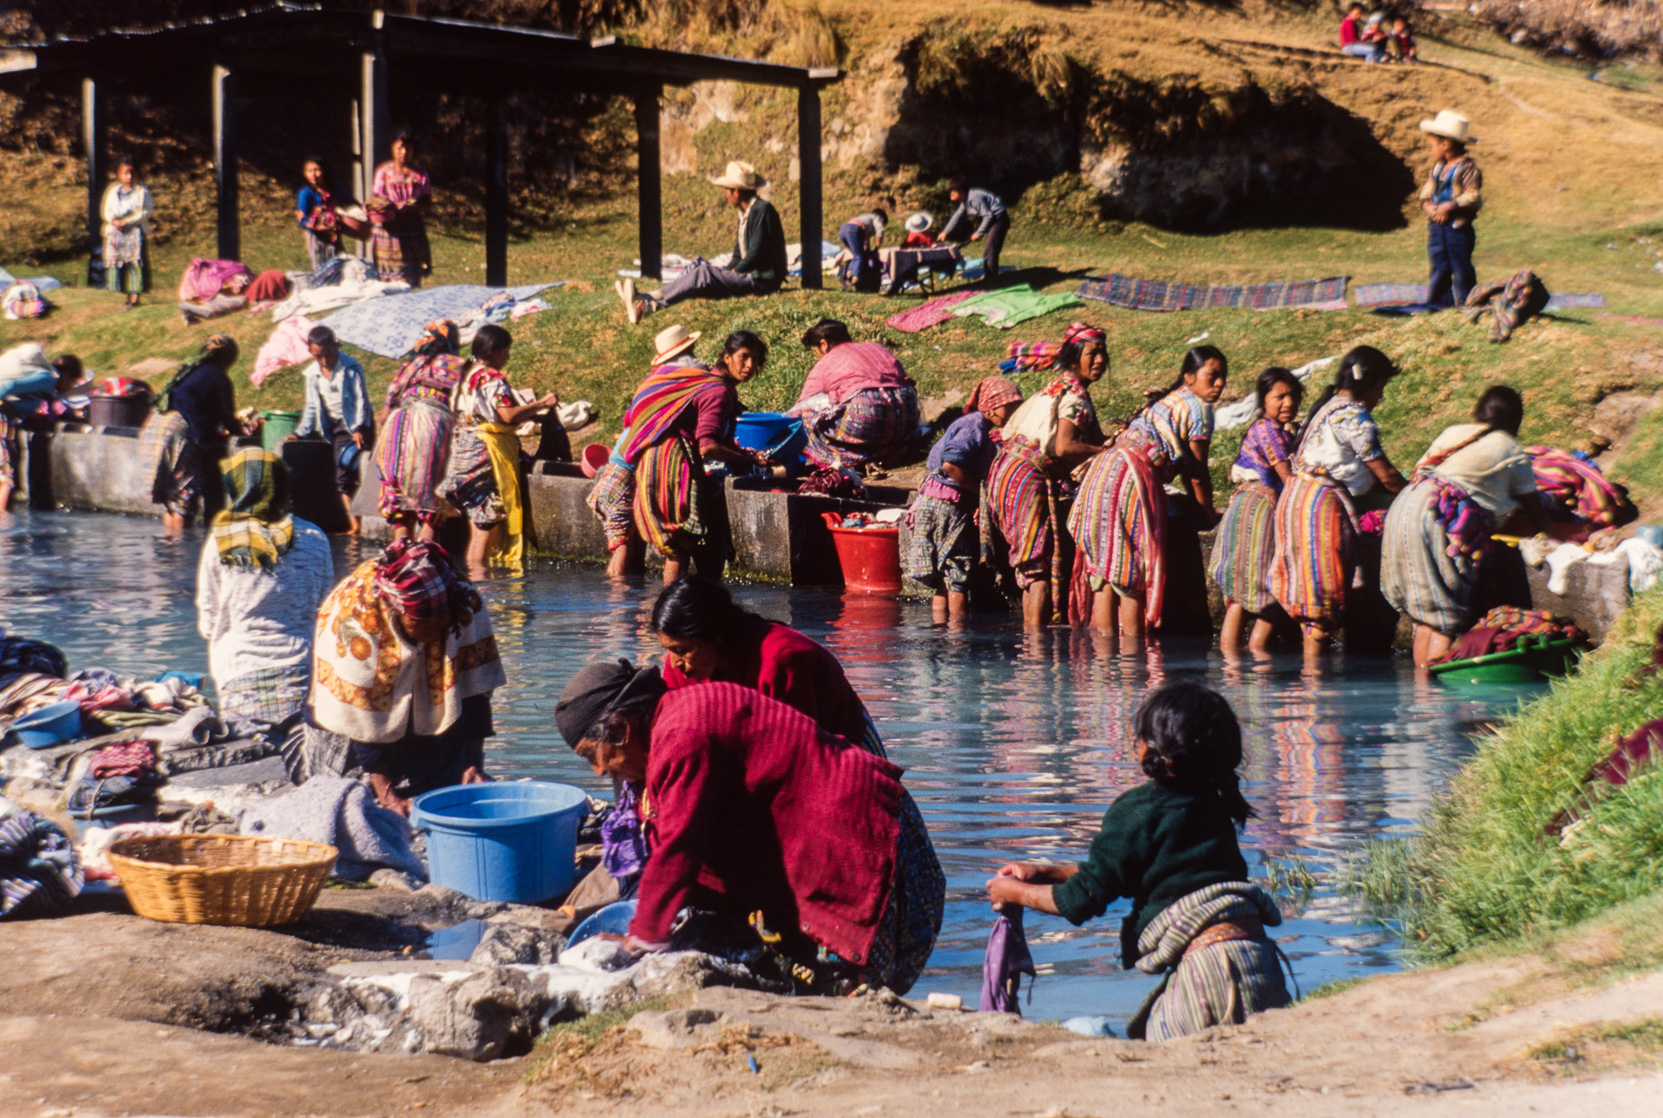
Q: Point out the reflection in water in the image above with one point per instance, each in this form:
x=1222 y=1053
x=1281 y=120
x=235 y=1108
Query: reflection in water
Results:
x=1014 y=743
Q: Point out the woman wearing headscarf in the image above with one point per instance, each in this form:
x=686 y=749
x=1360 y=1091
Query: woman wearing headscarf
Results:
x=1337 y=464
x=404 y=667
x=194 y=415
x=1052 y=434
x=414 y=451
x=263 y=575
x=858 y=404
x=684 y=413
x=942 y=519
x=126 y=207
x=756 y=814
x=1473 y=481
x=483 y=478
x=1119 y=519
x=398 y=205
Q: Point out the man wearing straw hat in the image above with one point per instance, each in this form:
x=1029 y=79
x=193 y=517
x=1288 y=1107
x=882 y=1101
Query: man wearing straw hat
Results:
x=1451 y=198
x=758 y=265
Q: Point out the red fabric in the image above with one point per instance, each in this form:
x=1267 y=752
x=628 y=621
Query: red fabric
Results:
x=126 y=758
x=748 y=800
x=268 y=287
x=853 y=367
x=1348 y=31
x=918 y=240
x=785 y=665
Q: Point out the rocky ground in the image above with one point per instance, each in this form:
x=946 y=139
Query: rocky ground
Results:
x=105 y=1013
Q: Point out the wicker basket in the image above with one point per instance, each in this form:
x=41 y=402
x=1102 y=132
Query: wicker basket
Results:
x=221 y=879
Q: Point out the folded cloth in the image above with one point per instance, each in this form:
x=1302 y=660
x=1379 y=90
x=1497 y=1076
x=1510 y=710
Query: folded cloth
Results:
x=1502 y=628
x=124 y=758
x=1007 y=960
x=39 y=872
x=342 y=813
x=197 y=726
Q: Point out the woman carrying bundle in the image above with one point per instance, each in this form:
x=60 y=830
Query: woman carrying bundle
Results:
x=400 y=198
x=414 y=451
x=684 y=413
x=1119 y=519
x=1246 y=541
x=1052 y=433
x=1338 y=461
x=1473 y=481
x=195 y=414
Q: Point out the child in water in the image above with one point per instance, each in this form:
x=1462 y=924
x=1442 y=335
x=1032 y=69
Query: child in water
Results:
x=1170 y=845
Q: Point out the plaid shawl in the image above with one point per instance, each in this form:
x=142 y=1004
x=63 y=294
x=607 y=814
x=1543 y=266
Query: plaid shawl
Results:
x=257 y=528
x=417 y=578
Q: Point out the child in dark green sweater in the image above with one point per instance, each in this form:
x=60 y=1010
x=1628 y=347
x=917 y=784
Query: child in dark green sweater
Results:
x=1170 y=845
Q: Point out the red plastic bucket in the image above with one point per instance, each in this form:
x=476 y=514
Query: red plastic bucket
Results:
x=870 y=557
x=595 y=456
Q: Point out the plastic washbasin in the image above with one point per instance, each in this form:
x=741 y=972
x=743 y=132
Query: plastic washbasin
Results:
x=1530 y=661
x=755 y=430
x=502 y=841
x=870 y=557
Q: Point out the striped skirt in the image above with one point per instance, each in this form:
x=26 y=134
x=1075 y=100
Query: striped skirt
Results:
x=1315 y=555
x=8 y=451
x=1118 y=521
x=613 y=501
x=1020 y=497
x=943 y=545
x=669 y=497
x=868 y=427
x=911 y=918
x=471 y=480
x=1245 y=548
x=412 y=455
x=1417 y=574
x=171 y=462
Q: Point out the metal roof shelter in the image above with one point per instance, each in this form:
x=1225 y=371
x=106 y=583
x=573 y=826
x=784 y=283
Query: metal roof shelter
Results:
x=356 y=55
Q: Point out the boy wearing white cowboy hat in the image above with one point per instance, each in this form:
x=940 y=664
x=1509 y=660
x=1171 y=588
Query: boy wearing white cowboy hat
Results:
x=759 y=263
x=1451 y=198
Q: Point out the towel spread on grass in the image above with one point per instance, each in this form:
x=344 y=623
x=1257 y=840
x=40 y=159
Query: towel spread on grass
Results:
x=1155 y=295
x=1414 y=295
x=391 y=324
x=932 y=313
x=1009 y=306
x=341 y=812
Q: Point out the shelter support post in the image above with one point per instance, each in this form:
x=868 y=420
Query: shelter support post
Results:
x=361 y=174
x=92 y=143
x=808 y=182
x=372 y=119
x=229 y=220
x=649 y=183
x=496 y=194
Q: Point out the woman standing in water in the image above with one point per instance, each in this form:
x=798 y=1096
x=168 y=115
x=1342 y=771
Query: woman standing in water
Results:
x=414 y=451
x=1337 y=464
x=1119 y=520
x=186 y=436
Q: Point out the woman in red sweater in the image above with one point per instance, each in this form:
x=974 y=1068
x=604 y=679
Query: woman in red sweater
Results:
x=754 y=812
x=708 y=637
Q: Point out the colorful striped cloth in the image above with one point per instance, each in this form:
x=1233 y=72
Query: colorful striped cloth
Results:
x=412 y=456
x=1423 y=573
x=1408 y=294
x=932 y=313
x=868 y=427
x=1021 y=499
x=1157 y=295
x=1577 y=484
x=1245 y=548
x=669 y=500
x=39 y=872
x=1311 y=571
x=612 y=500
x=1119 y=524
x=1221 y=983
x=659 y=402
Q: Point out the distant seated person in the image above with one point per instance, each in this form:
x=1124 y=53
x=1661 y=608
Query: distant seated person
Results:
x=918 y=231
x=337 y=410
x=758 y=265
x=1400 y=44
x=993 y=221
x=403 y=668
x=863 y=236
x=1353 y=36
x=858 y=404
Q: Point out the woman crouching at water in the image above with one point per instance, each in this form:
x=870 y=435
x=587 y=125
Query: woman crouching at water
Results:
x=708 y=637
x=751 y=808
x=1170 y=845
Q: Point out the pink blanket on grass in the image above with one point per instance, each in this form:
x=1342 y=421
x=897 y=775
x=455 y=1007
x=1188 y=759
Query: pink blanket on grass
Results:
x=286 y=346
x=932 y=313
x=203 y=279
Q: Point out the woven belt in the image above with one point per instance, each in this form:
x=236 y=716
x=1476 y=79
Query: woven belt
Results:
x=1224 y=931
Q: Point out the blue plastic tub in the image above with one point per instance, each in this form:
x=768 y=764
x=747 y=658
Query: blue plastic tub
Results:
x=500 y=841
x=50 y=725
x=757 y=429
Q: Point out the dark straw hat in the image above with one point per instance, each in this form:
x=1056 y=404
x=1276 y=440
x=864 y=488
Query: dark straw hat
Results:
x=601 y=688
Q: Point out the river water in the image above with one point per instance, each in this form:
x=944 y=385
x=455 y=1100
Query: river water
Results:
x=1014 y=744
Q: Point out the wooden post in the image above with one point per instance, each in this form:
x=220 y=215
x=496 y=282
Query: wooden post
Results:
x=808 y=182
x=92 y=144
x=372 y=118
x=362 y=173
x=496 y=193
x=229 y=224
x=649 y=183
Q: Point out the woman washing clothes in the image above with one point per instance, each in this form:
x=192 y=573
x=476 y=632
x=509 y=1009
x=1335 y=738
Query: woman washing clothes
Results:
x=126 y=207
x=196 y=413
x=414 y=452
x=945 y=541
x=684 y=413
x=263 y=576
x=398 y=206
x=757 y=815
x=858 y=404
x=403 y=668
x=483 y=477
x=1246 y=541
x=1049 y=436
x=1473 y=481
x=1119 y=519
x=1170 y=846
x=1337 y=466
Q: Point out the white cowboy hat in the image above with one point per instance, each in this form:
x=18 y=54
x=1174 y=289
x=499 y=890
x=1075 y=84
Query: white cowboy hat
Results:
x=1451 y=126
x=919 y=222
x=672 y=340
x=740 y=176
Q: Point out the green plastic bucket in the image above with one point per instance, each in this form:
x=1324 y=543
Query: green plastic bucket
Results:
x=1531 y=661
x=279 y=426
